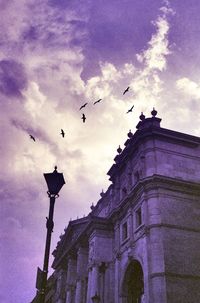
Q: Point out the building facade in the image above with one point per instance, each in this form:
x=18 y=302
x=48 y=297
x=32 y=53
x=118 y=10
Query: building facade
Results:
x=141 y=241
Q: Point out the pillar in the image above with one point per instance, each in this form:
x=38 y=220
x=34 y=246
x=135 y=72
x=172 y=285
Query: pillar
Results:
x=93 y=282
x=71 y=279
x=61 y=282
x=69 y=296
x=82 y=265
x=78 y=294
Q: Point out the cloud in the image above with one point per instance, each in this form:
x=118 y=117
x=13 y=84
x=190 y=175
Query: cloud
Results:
x=148 y=84
x=188 y=96
x=188 y=88
x=38 y=25
x=155 y=56
x=13 y=78
x=144 y=79
x=166 y=8
x=38 y=132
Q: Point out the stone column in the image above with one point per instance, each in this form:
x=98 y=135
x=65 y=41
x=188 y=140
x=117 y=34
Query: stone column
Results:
x=71 y=279
x=93 y=282
x=78 y=294
x=100 y=251
x=69 y=296
x=61 y=282
x=117 y=293
x=89 y=284
x=82 y=264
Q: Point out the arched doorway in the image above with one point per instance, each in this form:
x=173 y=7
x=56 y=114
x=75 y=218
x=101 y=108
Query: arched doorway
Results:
x=133 y=284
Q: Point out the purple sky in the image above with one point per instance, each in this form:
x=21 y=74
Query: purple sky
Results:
x=56 y=55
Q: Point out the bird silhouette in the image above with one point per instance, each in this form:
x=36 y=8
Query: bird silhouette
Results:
x=83 y=118
x=32 y=137
x=97 y=101
x=62 y=133
x=130 y=110
x=84 y=105
x=126 y=90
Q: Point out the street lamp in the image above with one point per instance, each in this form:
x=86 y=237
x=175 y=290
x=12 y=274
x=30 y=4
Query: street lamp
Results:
x=55 y=182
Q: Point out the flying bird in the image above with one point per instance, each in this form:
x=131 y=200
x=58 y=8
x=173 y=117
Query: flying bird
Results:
x=130 y=110
x=83 y=118
x=97 y=101
x=126 y=90
x=32 y=137
x=84 y=105
x=62 y=133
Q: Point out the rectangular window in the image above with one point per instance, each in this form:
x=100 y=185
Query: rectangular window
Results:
x=138 y=217
x=124 y=231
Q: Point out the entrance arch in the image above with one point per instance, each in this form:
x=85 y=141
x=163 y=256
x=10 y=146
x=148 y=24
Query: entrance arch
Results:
x=133 y=283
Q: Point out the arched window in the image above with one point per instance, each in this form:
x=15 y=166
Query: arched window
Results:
x=133 y=284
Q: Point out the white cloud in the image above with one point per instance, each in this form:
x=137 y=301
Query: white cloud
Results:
x=110 y=72
x=34 y=100
x=188 y=87
x=155 y=56
x=147 y=84
x=166 y=8
x=56 y=90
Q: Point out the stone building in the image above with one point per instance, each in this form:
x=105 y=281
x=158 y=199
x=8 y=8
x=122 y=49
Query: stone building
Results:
x=141 y=241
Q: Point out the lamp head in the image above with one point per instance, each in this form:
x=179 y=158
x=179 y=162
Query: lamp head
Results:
x=55 y=182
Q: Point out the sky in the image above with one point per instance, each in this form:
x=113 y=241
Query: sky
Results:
x=56 y=55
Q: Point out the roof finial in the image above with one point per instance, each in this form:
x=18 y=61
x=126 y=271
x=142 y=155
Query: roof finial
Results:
x=119 y=150
x=102 y=193
x=130 y=134
x=154 y=112
x=142 y=116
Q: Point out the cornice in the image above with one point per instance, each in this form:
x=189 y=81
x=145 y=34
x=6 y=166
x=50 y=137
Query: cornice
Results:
x=153 y=183
x=152 y=132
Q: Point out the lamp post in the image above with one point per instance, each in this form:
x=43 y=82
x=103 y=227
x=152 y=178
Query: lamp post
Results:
x=54 y=181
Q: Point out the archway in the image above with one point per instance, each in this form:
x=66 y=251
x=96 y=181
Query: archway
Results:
x=133 y=284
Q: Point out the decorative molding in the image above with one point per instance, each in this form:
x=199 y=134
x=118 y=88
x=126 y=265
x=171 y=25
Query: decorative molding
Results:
x=154 y=183
x=173 y=226
x=174 y=275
